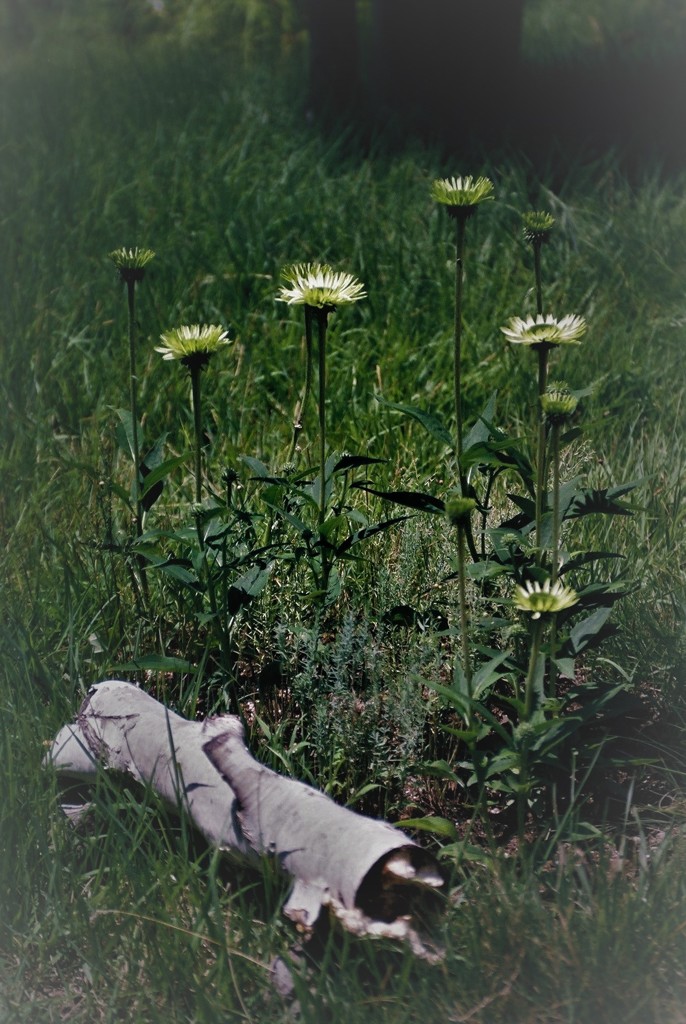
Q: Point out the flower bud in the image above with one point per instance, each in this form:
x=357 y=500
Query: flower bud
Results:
x=458 y=510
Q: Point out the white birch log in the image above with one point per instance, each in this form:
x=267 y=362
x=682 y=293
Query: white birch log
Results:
x=370 y=875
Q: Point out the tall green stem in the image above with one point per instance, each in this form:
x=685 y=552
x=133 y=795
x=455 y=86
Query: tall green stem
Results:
x=555 y=453
x=133 y=395
x=460 y=224
x=541 y=460
x=522 y=795
x=536 y=636
x=195 y=372
x=464 y=620
x=322 y=316
x=307 y=386
x=537 y=273
x=555 y=561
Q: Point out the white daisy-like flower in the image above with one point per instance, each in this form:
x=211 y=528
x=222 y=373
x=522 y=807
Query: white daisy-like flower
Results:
x=464 y=192
x=131 y=263
x=545 y=329
x=317 y=285
x=192 y=344
x=544 y=599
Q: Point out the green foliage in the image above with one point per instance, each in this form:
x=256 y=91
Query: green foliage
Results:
x=353 y=684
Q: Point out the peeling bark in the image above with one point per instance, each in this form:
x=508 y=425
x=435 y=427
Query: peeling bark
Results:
x=371 y=876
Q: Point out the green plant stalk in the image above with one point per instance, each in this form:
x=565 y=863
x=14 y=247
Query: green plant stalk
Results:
x=464 y=619
x=307 y=386
x=522 y=796
x=555 y=562
x=460 y=225
x=537 y=274
x=133 y=398
x=219 y=620
x=322 y=319
x=555 y=458
x=541 y=446
x=536 y=635
x=460 y=228
x=196 y=390
x=322 y=316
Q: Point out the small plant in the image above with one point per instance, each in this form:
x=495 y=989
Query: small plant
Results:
x=131 y=264
x=538 y=725
x=320 y=290
x=543 y=334
x=461 y=197
x=194 y=346
x=510 y=725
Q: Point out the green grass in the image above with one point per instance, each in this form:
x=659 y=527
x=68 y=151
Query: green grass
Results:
x=222 y=176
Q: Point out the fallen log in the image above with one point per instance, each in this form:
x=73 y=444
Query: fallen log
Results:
x=373 y=878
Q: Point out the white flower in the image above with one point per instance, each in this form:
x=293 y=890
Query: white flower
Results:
x=317 y=285
x=545 y=330
x=544 y=599
x=192 y=343
x=464 y=192
x=131 y=263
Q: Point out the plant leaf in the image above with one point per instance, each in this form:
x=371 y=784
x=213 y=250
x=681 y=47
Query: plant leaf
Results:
x=409 y=499
x=124 y=432
x=432 y=823
x=368 y=531
x=588 y=630
x=603 y=500
x=353 y=461
x=247 y=586
x=160 y=471
x=431 y=423
x=154 y=663
x=482 y=429
x=258 y=468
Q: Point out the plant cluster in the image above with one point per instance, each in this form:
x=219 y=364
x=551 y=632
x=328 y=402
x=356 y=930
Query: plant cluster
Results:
x=512 y=704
